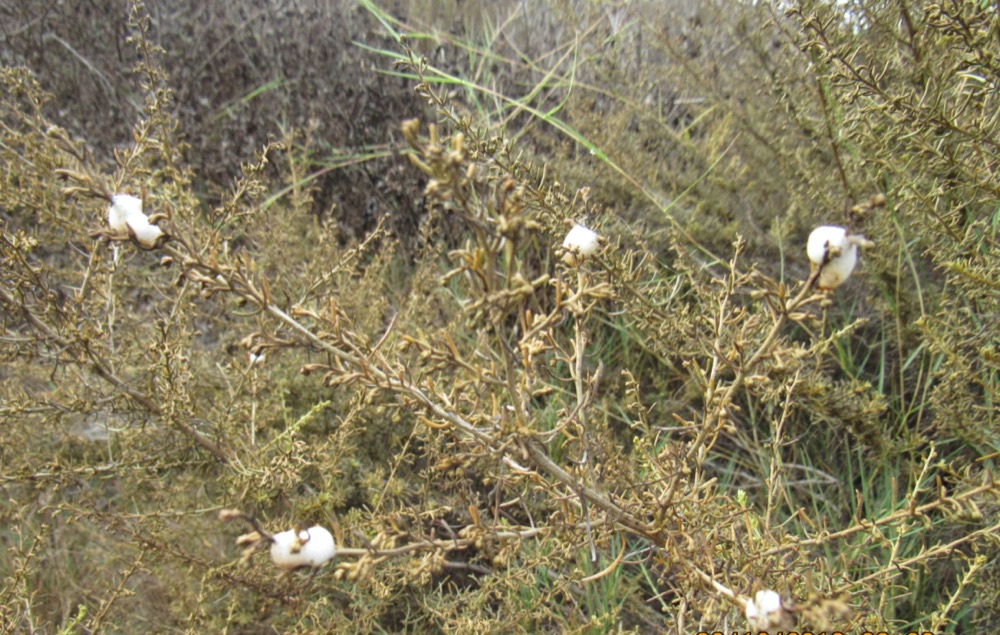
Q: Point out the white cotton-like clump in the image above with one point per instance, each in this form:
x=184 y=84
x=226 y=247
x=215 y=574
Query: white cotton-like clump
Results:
x=835 y=252
x=256 y=358
x=580 y=244
x=297 y=548
x=122 y=207
x=125 y=214
x=763 y=609
x=145 y=233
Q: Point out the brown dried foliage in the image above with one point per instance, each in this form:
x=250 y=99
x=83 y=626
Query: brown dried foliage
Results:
x=498 y=440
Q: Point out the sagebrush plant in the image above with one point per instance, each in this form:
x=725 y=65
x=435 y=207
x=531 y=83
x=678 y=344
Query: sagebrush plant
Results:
x=671 y=428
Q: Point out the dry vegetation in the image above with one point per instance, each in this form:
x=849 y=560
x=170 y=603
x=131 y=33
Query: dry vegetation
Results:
x=369 y=201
